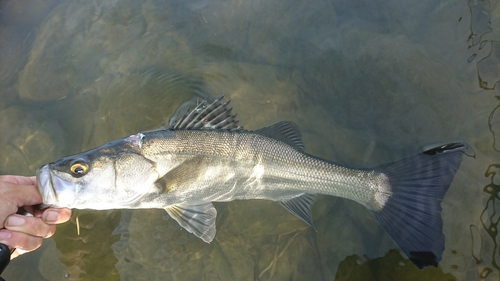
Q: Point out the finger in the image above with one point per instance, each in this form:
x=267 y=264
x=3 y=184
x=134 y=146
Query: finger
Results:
x=30 y=225
x=20 y=194
x=18 y=179
x=55 y=216
x=20 y=240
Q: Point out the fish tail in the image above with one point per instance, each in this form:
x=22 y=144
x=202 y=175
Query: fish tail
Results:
x=412 y=213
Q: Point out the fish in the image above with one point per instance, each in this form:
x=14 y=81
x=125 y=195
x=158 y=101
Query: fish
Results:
x=205 y=156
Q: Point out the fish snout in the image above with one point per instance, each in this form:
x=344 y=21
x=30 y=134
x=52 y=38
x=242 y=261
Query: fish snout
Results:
x=45 y=187
x=54 y=190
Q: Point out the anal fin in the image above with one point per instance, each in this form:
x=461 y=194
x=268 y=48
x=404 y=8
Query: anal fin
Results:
x=301 y=207
x=197 y=219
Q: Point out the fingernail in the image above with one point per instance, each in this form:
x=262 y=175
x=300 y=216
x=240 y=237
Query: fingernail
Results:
x=5 y=235
x=15 y=221
x=52 y=216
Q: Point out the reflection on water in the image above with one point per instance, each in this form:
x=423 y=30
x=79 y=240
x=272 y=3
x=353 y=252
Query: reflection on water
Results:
x=366 y=81
x=489 y=67
x=481 y=37
x=485 y=239
x=487 y=248
x=494 y=124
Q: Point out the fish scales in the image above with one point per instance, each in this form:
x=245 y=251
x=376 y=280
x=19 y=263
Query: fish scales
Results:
x=287 y=172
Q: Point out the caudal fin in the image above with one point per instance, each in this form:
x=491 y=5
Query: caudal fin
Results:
x=412 y=214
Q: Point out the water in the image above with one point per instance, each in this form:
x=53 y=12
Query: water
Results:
x=366 y=81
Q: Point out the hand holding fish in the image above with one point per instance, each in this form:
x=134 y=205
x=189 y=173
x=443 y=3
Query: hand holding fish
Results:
x=24 y=232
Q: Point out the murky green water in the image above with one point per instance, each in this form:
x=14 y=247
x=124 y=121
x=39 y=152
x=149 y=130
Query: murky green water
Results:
x=366 y=81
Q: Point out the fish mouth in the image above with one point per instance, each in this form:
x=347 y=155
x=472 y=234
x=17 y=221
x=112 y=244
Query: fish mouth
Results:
x=45 y=187
x=51 y=188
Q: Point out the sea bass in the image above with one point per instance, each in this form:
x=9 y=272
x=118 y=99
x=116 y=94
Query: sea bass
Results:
x=206 y=157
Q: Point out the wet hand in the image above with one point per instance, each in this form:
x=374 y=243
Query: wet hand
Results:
x=24 y=232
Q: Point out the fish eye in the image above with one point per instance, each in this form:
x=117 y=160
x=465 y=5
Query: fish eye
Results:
x=79 y=168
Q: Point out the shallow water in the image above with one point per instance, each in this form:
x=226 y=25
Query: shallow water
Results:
x=366 y=81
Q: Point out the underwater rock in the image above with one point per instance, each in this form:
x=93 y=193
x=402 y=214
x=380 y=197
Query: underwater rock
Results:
x=18 y=13
x=79 y=42
x=83 y=246
x=50 y=266
x=260 y=246
x=28 y=141
x=255 y=247
x=13 y=56
x=154 y=247
x=58 y=65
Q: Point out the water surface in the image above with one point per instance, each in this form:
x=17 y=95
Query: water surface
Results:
x=366 y=81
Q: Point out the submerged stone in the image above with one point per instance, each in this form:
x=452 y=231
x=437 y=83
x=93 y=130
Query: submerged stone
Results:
x=27 y=140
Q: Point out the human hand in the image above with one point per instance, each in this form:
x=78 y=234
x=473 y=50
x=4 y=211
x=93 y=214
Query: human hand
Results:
x=24 y=232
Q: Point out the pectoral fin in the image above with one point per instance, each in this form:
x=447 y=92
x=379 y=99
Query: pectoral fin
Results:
x=301 y=207
x=183 y=176
x=197 y=219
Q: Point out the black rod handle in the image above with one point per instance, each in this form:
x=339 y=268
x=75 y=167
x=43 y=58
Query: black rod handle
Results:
x=4 y=257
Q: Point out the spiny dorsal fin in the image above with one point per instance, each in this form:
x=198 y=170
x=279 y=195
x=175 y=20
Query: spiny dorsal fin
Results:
x=285 y=131
x=216 y=116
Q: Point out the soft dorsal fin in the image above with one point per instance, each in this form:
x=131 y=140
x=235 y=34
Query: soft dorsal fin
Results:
x=285 y=131
x=216 y=116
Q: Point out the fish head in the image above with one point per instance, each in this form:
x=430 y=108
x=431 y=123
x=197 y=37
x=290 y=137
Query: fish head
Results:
x=113 y=176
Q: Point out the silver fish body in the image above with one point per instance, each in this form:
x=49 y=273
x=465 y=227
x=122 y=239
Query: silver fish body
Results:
x=206 y=157
x=223 y=166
